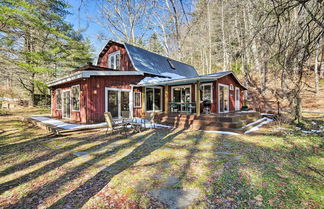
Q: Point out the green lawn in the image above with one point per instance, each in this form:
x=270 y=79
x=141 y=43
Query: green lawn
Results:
x=274 y=167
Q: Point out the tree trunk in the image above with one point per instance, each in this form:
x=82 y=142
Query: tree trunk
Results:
x=223 y=37
x=316 y=74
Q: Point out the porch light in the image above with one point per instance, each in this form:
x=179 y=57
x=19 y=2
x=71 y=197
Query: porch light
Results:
x=95 y=91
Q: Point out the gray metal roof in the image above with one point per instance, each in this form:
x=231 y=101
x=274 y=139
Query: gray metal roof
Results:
x=151 y=63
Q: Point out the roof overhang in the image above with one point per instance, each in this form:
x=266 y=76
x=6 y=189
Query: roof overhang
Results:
x=202 y=78
x=88 y=74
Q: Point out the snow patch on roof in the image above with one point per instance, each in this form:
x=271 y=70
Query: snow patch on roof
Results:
x=171 y=76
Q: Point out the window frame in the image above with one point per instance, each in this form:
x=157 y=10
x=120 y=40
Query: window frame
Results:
x=228 y=98
x=140 y=100
x=115 y=60
x=58 y=89
x=231 y=87
x=161 y=102
x=202 y=91
x=75 y=110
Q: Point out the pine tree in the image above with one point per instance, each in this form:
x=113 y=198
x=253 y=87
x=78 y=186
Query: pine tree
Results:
x=38 y=43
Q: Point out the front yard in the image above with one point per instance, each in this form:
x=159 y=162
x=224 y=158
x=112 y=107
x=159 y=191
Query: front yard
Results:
x=159 y=168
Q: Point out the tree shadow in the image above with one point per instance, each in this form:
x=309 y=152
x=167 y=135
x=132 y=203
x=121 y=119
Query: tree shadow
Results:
x=53 y=165
x=271 y=180
x=48 y=156
x=80 y=196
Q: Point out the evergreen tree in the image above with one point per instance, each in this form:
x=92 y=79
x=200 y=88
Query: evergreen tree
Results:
x=38 y=43
x=154 y=44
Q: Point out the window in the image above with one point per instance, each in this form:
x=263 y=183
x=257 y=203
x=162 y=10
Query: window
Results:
x=137 y=99
x=76 y=98
x=114 y=60
x=153 y=99
x=206 y=92
x=58 y=95
x=231 y=87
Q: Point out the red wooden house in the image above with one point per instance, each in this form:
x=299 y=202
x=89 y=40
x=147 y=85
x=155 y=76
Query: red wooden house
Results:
x=129 y=81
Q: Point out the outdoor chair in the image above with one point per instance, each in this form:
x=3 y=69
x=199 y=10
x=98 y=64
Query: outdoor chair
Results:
x=148 y=119
x=114 y=125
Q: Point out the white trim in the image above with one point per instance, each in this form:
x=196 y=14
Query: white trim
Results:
x=131 y=102
x=224 y=85
x=140 y=100
x=73 y=110
x=237 y=104
x=161 y=102
x=118 y=99
x=211 y=89
x=89 y=73
x=114 y=54
x=66 y=90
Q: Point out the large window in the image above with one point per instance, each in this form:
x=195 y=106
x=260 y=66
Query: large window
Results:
x=154 y=99
x=206 y=92
x=76 y=98
x=137 y=99
x=58 y=95
x=114 y=60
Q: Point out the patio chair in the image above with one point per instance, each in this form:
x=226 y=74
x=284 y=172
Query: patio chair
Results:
x=113 y=124
x=148 y=119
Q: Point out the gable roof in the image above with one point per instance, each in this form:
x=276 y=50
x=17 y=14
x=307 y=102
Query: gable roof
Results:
x=152 y=63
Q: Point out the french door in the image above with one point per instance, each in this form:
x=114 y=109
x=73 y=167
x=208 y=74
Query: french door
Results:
x=223 y=98
x=118 y=102
x=66 y=111
x=237 y=99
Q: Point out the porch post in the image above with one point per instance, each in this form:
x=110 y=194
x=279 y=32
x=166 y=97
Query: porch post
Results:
x=143 y=100
x=198 y=98
x=166 y=99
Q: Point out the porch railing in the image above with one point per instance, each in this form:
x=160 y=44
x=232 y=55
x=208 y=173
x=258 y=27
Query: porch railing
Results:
x=182 y=107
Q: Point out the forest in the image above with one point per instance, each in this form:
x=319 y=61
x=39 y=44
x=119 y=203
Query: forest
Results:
x=275 y=46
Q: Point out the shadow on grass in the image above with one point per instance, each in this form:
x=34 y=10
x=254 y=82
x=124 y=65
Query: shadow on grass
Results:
x=51 y=166
x=80 y=196
x=263 y=177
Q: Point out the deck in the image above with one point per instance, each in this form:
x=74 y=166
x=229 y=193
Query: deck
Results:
x=235 y=122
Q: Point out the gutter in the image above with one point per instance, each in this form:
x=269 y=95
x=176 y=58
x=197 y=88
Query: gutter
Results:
x=89 y=73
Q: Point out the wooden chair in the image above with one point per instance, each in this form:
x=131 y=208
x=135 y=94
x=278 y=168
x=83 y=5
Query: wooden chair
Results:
x=148 y=119
x=113 y=125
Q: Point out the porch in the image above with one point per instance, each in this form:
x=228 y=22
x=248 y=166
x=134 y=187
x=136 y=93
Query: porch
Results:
x=234 y=122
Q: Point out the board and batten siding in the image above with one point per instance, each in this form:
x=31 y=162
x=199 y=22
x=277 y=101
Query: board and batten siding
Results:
x=125 y=62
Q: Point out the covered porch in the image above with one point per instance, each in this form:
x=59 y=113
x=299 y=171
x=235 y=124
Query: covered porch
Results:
x=199 y=95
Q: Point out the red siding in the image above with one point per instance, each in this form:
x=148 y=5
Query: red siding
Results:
x=75 y=115
x=96 y=91
x=125 y=62
x=227 y=80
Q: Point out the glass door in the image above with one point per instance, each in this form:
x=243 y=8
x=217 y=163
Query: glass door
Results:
x=118 y=102
x=66 y=104
x=113 y=103
x=124 y=104
x=223 y=98
x=237 y=98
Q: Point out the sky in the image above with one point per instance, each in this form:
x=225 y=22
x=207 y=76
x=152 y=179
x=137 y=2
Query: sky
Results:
x=80 y=20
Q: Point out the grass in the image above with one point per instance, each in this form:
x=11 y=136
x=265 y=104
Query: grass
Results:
x=274 y=167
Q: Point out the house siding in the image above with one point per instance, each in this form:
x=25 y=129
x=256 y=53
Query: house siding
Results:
x=227 y=80
x=96 y=99
x=125 y=62
x=75 y=115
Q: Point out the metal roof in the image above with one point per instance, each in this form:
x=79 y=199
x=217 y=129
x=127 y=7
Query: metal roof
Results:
x=200 y=78
x=152 y=63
